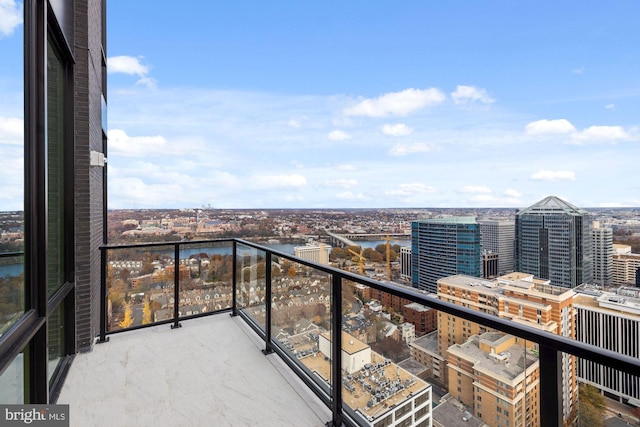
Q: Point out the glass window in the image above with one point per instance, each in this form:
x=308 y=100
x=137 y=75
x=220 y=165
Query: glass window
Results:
x=55 y=329
x=55 y=168
x=11 y=289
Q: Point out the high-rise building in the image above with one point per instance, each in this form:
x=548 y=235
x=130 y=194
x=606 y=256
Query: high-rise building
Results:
x=610 y=320
x=553 y=241
x=442 y=247
x=405 y=263
x=516 y=296
x=602 y=238
x=498 y=236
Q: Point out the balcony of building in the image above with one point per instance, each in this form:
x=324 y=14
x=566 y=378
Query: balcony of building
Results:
x=209 y=372
x=187 y=337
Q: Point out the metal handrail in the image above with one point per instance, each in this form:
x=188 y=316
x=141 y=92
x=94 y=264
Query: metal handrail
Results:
x=550 y=345
x=11 y=254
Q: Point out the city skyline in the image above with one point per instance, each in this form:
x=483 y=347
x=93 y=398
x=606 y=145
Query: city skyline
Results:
x=335 y=106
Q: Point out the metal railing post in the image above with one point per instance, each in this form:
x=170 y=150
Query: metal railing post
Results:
x=267 y=304
x=550 y=386
x=176 y=286
x=103 y=297
x=336 y=351
x=234 y=280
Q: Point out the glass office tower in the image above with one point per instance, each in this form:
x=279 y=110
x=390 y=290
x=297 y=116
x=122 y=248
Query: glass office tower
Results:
x=553 y=241
x=444 y=247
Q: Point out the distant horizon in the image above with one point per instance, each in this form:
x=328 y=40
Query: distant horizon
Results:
x=346 y=209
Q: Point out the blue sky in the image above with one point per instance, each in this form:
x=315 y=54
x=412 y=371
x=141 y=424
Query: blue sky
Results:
x=313 y=104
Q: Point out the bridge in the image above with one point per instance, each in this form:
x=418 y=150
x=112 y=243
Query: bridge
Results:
x=344 y=240
x=340 y=241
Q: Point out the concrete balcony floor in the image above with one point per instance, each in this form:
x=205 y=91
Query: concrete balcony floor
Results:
x=210 y=372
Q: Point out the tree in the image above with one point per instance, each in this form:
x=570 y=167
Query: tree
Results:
x=146 y=313
x=128 y=316
x=373 y=255
x=147 y=268
x=391 y=348
x=590 y=406
x=337 y=253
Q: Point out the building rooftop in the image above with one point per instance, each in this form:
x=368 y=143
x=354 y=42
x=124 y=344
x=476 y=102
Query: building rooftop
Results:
x=209 y=372
x=451 y=413
x=508 y=364
x=428 y=342
x=515 y=282
x=417 y=307
x=450 y=220
x=623 y=300
x=552 y=205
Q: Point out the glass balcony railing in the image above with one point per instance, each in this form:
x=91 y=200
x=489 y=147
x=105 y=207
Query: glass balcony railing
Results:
x=370 y=367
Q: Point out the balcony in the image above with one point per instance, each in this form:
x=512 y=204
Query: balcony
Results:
x=209 y=372
x=207 y=365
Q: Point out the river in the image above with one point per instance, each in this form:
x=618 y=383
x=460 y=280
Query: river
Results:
x=16 y=269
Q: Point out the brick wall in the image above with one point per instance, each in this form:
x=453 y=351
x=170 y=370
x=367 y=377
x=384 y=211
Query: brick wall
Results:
x=88 y=180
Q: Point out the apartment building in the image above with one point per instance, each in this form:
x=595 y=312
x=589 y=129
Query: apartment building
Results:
x=314 y=252
x=516 y=296
x=626 y=269
x=498 y=377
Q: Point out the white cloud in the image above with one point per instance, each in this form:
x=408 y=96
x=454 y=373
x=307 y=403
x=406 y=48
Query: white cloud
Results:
x=279 y=181
x=547 y=175
x=11 y=130
x=294 y=124
x=550 y=127
x=10 y=17
x=396 y=103
x=346 y=168
x=578 y=70
x=510 y=192
x=468 y=94
x=601 y=133
x=475 y=189
x=338 y=135
x=348 y=195
x=399 y=129
x=610 y=107
x=409 y=190
x=122 y=144
x=404 y=149
x=127 y=65
x=342 y=183
x=590 y=134
x=132 y=66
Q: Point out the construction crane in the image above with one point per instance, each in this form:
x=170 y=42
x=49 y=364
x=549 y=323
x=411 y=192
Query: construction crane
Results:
x=361 y=259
